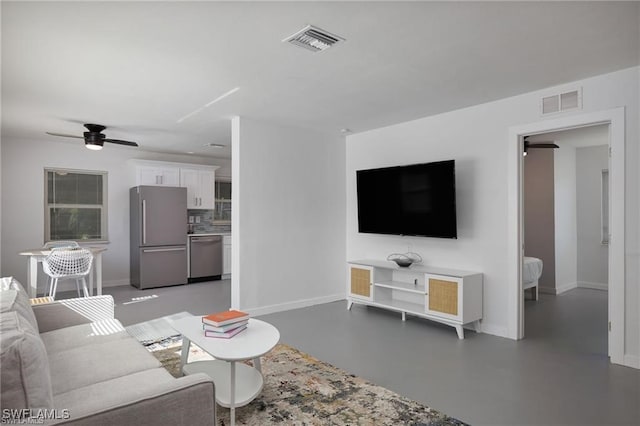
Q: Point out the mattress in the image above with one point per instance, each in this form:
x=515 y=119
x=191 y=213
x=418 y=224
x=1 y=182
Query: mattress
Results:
x=532 y=269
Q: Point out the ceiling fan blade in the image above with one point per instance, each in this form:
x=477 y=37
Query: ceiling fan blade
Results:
x=121 y=142
x=542 y=145
x=64 y=135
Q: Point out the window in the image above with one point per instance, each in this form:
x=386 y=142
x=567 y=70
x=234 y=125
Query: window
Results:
x=75 y=205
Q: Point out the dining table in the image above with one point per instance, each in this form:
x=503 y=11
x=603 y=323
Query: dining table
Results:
x=37 y=255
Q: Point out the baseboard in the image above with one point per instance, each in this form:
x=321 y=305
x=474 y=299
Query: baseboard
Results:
x=593 y=286
x=494 y=330
x=632 y=361
x=558 y=290
x=114 y=283
x=566 y=287
x=297 y=304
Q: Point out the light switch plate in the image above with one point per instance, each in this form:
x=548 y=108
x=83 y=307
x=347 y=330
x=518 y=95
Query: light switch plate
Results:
x=197 y=219
x=190 y=219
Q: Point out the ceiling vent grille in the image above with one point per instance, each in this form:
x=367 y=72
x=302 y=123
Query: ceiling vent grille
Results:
x=561 y=102
x=313 y=38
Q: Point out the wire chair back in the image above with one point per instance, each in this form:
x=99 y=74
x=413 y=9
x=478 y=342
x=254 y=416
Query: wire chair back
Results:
x=68 y=262
x=60 y=243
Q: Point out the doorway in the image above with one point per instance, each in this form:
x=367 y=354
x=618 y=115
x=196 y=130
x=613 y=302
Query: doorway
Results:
x=616 y=309
x=565 y=212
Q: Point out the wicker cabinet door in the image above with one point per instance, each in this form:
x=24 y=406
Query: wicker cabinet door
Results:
x=443 y=298
x=360 y=280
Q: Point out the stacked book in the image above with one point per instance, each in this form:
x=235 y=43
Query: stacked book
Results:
x=224 y=325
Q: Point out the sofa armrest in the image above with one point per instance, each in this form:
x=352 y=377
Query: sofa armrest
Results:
x=70 y=312
x=186 y=401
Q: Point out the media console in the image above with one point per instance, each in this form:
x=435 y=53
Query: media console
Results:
x=447 y=296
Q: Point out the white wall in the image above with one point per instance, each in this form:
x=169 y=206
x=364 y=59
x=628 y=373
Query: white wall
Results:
x=566 y=238
x=477 y=138
x=289 y=228
x=23 y=163
x=539 y=223
x=592 y=268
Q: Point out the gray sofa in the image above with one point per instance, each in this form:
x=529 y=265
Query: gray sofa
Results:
x=70 y=362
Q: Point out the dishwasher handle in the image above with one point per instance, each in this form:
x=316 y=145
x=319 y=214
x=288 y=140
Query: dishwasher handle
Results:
x=205 y=239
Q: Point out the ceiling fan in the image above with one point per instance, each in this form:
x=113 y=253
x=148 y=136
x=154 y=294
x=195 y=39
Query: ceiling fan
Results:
x=544 y=144
x=94 y=138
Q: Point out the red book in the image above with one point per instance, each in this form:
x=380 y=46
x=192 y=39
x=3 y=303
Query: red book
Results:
x=223 y=318
x=226 y=335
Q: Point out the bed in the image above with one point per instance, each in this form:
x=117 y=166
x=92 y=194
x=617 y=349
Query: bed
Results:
x=531 y=272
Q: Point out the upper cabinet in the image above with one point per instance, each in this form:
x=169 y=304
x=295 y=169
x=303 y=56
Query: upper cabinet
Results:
x=222 y=212
x=200 y=184
x=199 y=180
x=157 y=176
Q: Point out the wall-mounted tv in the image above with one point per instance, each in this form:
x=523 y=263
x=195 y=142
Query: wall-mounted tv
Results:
x=418 y=199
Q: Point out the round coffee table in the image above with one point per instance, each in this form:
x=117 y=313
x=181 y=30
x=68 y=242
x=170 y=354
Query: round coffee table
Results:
x=237 y=384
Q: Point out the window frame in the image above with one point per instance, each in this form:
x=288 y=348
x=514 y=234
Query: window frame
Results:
x=104 y=237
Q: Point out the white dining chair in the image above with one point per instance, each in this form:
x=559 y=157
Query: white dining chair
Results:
x=68 y=263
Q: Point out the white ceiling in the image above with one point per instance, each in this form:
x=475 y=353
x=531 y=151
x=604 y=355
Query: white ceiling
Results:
x=139 y=67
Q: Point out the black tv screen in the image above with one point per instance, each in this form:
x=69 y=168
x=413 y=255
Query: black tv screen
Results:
x=418 y=199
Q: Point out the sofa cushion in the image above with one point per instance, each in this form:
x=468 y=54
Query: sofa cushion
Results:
x=24 y=368
x=84 y=365
x=13 y=297
x=94 y=397
x=83 y=334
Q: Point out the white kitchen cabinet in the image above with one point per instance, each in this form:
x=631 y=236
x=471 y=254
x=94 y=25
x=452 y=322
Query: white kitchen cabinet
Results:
x=200 y=184
x=157 y=176
x=226 y=256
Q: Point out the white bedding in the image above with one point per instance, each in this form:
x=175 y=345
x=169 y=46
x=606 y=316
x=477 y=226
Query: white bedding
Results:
x=532 y=269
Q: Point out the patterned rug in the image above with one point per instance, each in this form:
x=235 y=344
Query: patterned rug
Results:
x=302 y=390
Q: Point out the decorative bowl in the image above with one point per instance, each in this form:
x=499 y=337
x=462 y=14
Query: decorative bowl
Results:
x=405 y=260
x=404 y=263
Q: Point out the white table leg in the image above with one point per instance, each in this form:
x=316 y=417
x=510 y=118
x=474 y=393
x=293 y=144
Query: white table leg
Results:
x=257 y=365
x=32 y=276
x=99 y=274
x=232 y=395
x=184 y=354
x=93 y=268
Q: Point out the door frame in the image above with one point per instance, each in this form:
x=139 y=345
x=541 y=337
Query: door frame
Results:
x=615 y=118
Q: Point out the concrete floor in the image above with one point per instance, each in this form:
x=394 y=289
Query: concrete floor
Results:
x=558 y=375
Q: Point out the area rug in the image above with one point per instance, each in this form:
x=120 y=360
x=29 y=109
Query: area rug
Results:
x=302 y=390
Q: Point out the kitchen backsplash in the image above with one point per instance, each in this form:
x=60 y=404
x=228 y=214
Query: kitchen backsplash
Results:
x=206 y=222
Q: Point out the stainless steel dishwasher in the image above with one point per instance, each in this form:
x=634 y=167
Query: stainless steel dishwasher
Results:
x=205 y=257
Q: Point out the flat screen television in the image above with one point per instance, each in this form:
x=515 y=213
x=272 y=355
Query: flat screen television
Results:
x=418 y=199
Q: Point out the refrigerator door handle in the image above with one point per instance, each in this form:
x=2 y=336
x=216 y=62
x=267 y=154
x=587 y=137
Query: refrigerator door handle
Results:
x=164 y=249
x=144 y=222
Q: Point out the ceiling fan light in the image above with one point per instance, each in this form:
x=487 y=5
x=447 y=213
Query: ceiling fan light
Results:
x=94 y=146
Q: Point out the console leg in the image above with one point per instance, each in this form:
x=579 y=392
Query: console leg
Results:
x=349 y=304
x=404 y=316
x=460 y=331
x=476 y=326
x=535 y=292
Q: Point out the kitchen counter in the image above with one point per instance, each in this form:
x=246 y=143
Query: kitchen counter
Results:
x=204 y=234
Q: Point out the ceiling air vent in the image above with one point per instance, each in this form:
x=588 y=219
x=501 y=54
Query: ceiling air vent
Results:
x=561 y=102
x=313 y=38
